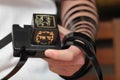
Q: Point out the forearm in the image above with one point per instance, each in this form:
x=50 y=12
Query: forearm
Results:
x=80 y=16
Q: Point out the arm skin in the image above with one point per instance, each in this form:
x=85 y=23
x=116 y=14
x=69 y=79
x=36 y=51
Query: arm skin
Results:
x=78 y=8
x=66 y=62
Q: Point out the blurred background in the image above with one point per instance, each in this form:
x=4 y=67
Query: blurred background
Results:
x=108 y=40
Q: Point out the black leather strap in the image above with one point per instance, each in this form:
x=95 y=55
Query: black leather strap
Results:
x=80 y=36
x=90 y=55
x=5 y=40
x=23 y=59
x=88 y=47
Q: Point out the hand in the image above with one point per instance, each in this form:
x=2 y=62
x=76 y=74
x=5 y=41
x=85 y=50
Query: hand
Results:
x=65 y=62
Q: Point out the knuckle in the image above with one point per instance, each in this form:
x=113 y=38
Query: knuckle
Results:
x=71 y=57
x=82 y=62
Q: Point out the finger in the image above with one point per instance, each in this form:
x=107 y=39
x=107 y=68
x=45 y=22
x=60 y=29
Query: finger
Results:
x=79 y=60
x=63 y=55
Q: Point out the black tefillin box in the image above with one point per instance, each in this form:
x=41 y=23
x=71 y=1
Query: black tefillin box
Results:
x=36 y=38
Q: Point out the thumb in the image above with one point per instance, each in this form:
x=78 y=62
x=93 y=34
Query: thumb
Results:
x=63 y=55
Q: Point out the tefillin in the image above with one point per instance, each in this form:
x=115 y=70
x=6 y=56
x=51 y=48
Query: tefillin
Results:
x=33 y=40
x=36 y=38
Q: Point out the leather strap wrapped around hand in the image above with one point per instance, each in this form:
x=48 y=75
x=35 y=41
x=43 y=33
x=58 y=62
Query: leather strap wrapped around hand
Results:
x=87 y=46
